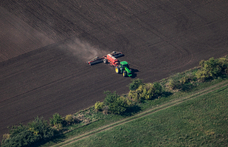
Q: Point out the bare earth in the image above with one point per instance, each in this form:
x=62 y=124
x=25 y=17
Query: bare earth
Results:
x=45 y=46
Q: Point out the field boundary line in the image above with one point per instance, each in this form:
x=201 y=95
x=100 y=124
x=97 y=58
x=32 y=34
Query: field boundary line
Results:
x=145 y=113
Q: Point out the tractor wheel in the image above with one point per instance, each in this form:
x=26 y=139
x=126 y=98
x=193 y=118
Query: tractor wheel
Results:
x=105 y=61
x=124 y=74
x=117 y=69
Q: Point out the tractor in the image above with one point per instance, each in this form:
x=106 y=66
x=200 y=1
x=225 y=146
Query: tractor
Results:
x=120 y=67
x=124 y=69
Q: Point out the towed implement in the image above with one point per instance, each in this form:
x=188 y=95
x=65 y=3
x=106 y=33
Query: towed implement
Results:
x=120 y=67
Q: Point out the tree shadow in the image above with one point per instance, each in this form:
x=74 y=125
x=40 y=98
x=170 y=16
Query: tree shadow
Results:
x=131 y=110
x=134 y=71
x=166 y=93
x=55 y=139
x=187 y=87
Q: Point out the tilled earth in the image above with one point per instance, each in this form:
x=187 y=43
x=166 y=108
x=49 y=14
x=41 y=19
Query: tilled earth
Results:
x=45 y=46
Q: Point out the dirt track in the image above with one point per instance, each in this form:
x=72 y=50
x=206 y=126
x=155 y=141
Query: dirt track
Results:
x=158 y=39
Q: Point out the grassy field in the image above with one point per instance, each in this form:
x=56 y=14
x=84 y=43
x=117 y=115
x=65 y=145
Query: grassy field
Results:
x=107 y=119
x=198 y=122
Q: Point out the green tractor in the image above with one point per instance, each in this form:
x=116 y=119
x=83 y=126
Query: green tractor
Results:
x=124 y=69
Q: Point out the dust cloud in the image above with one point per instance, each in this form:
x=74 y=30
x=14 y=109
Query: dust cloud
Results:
x=83 y=50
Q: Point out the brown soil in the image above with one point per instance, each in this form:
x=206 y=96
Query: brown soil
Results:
x=158 y=38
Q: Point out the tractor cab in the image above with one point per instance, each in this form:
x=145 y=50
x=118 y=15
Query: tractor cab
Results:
x=124 y=64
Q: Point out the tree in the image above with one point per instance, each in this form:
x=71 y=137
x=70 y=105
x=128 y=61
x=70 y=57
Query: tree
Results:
x=28 y=135
x=57 y=119
x=135 y=84
x=115 y=103
x=40 y=128
x=110 y=97
x=211 y=68
x=118 y=106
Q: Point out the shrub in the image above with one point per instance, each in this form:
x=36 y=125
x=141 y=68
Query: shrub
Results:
x=14 y=130
x=151 y=90
x=173 y=84
x=115 y=103
x=211 y=68
x=135 y=84
x=41 y=127
x=87 y=120
x=184 y=80
x=146 y=91
x=57 y=119
x=128 y=101
x=157 y=89
x=105 y=110
x=99 y=105
x=202 y=75
x=69 y=119
x=59 y=127
x=6 y=136
x=118 y=106
x=133 y=95
x=28 y=135
x=23 y=138
x=80 y=117
x=226 y=71
x=110 y=97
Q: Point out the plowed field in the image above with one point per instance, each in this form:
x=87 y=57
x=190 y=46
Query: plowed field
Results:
x=45 y=46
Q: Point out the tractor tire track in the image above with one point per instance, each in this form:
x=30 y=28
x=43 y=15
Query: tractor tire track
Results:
x=145 y=113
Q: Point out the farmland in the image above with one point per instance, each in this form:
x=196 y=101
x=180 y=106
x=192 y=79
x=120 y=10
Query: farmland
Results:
x=45 y=46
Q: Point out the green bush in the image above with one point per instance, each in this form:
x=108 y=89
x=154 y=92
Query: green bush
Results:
x=134 y=95
x=59 y=127
x=127 y=101
x=135 y=84
x=57 y=119
x=118 y=107
x=28 y=135
x=6 y=136
x=224 y=64
x=184 y=80
x=110 y=98
x=115 y=103
x=99 y=105
x=173 y=84
x=211 y=68
x=69 y=119
x=151 y=90
x=147 y=91
x=157 y=89
x=202 y=75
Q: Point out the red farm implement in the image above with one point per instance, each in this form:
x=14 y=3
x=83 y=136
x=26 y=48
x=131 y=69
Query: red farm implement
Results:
x=109 y=58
